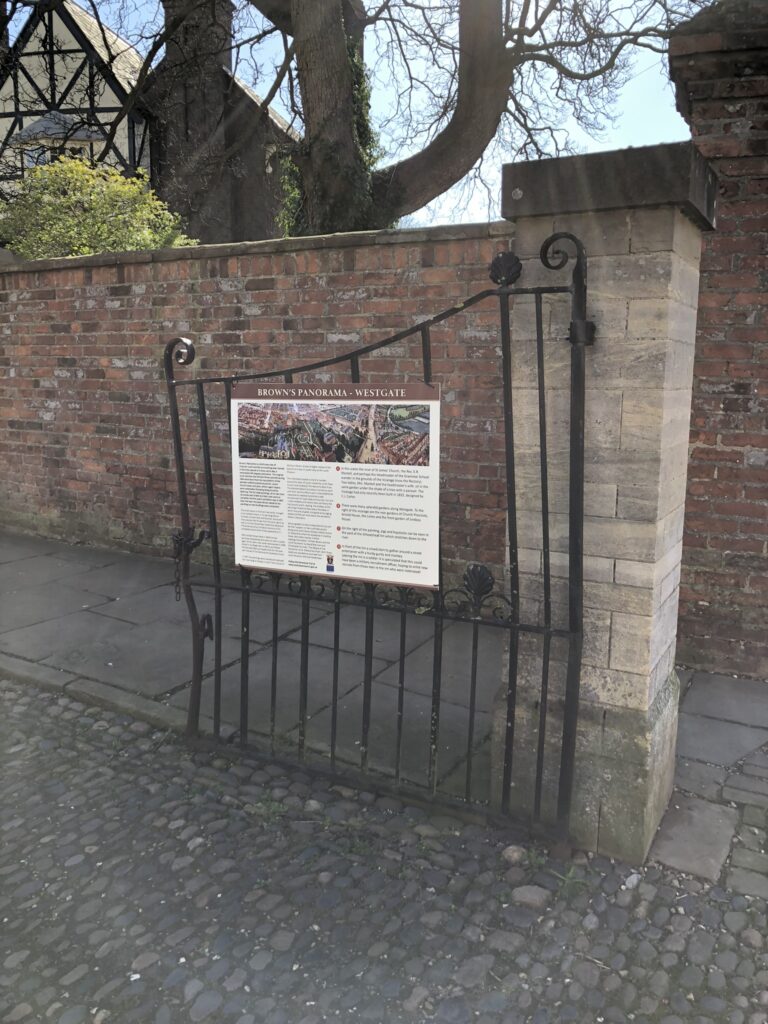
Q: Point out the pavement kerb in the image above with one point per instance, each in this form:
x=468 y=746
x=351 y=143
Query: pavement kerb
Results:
x=91 y=691
x=44 y=676
x=114 y=699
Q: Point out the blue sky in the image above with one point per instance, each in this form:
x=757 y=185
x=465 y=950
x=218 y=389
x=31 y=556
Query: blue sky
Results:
x=644 y=116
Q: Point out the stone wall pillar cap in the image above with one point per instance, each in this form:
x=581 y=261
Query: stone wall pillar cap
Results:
x=666 y=175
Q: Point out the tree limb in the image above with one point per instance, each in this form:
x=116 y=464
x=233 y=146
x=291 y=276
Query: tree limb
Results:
x=484 y=79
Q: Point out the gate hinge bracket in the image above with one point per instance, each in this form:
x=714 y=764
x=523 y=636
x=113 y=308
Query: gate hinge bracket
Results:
x=582 y=332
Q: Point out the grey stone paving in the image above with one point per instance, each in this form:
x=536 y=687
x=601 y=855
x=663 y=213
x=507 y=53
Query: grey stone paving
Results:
x=142 y=879
x=715 y=825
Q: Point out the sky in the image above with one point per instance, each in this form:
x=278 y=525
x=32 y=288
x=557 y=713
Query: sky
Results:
x=645 y=115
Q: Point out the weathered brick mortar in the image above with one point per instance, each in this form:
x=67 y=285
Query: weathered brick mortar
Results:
x=720 y=66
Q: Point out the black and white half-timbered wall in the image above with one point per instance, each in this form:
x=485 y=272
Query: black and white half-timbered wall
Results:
x=63 y=82
x=209 y=147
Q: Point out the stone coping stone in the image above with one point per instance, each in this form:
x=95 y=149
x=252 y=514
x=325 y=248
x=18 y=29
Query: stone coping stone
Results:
x=343 y=240
x=665 y=175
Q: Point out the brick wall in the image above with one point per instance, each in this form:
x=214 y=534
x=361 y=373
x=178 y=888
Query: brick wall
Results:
x=720 y=66
x=86 y=443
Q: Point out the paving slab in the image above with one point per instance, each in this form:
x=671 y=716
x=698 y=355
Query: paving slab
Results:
x=15 y=547
x=702 y=780
x=749 y=783
x=351 y=668
x=45 y=676
x=61 y=635
x=751 y=883
x=758 y=758
x=150 y=660
x=456 y=666
x=94 y=557
x=386 y=632
x=415 y=744
x=28 y=605
x=722 y=743
x=741 y=795
x=695 y=836
x=128 y=574
x=728 y=699
x=31 y=572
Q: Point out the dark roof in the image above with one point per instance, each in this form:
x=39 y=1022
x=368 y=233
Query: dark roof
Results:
x=124 y=59
x=55 y=125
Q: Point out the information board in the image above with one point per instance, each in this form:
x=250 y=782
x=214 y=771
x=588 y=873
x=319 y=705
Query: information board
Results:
x=338 y=480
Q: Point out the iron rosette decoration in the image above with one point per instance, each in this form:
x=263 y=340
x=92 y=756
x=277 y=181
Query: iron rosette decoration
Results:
x=478 y=599
x=259 y=580
x=317 y=588
x=506 y=268
x=399 y=598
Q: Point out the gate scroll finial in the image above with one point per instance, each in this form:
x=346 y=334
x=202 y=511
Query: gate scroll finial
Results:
x=180 y=351
x=554 y=257
x=506 y=268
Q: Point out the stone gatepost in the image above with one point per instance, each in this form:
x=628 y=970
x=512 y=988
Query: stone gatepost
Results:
x=640 y=214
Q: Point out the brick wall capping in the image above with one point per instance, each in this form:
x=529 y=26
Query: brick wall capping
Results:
x=352 y=239
x=666 y=175
x=716 y=42
x=724 y=16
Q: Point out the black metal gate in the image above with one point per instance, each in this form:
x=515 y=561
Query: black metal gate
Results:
x=417 y=690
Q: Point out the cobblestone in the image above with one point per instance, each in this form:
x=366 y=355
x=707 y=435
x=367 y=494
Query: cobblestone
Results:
x=142 y=879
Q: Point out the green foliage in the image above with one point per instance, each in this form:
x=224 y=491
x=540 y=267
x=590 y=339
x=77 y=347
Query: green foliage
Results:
x=74 y=208
x=367 y=139
x=292 y=219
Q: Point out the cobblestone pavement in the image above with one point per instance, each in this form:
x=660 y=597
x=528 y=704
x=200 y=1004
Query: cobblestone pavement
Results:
x=144 y=880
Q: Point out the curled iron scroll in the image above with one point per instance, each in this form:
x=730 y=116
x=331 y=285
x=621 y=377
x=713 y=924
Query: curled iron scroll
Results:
x=180 y=351
x=554 y=257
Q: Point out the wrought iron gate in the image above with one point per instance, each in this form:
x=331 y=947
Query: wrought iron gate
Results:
x=419 y=689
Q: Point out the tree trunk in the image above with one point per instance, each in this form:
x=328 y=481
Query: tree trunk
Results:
x=484 y=80
x=336 y=180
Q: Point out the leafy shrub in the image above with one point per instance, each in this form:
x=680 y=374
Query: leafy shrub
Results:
x=74 y=208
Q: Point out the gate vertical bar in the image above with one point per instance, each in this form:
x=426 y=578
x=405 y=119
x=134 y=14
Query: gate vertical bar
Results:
x=370 y=591
x=545 y=552
x=304 y=663
x=514 y=571
x=245 y=652
x=581 y=334
x=182 y=351
x=214 y=533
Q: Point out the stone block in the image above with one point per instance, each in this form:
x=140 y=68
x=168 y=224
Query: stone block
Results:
x=684 y=283
x=655 y=419
x=603 y=234
x=687 y=239
x=633 y=277
x=652 y=229
x=637 y=641
x=647 y=574
x=596 y=569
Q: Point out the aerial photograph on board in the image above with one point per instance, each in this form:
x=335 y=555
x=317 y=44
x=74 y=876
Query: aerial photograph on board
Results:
x=394 y=435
